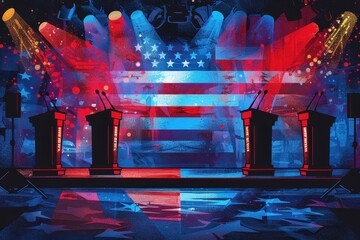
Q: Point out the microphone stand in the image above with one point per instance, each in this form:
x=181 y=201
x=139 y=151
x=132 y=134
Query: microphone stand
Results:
x=103 y=93
x=98 y=93
x=259 y=92
x=265 y=92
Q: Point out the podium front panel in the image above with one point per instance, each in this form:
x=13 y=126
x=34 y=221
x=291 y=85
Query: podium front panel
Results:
x=48 y=139
x=315 y=131
x=258 y=141
x=105 y=137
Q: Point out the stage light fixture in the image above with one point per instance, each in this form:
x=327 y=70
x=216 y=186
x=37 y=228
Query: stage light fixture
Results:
x=8 y=14
x=208 y=35
x=95 y=33
x=143 y=29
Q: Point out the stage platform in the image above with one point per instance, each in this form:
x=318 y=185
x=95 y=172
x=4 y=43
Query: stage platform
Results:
x=182 y=178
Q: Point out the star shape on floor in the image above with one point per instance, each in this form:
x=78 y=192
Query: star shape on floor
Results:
x=269 y=201
x=49 y=228
x=258 y=214
x=31 y=216
x=110 y=233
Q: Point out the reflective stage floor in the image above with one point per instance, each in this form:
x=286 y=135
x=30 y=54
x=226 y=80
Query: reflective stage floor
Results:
x=197 y=213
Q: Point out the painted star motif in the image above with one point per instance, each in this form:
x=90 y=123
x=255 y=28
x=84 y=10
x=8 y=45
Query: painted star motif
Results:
x=208 y=55
x=170 y=47
x=127 y=207
x=300 y=211
x=31 y=216
x=147 y=55
x=186 y=47
x=138 y=47
x=200 y=63
x=146 y=40
x=170 y=63
x=154 y=63
x=258 y=214
x=25 y=76
x=177 y=55
x=110 y=233
x=154 y=48
x=193 y=55
x=185 y=63
x=269 y=201
x=162 y=55
x=24 y=93
x=49 y=228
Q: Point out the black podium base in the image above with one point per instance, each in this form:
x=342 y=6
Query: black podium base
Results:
x=316 y=172
x=105 y=171
x=258 y=171
x=48 y=171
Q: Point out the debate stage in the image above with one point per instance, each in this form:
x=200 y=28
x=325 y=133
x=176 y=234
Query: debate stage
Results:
x=183 y=178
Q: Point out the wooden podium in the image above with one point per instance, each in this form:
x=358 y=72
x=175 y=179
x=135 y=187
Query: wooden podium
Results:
x=258 y=141
x=315 y=129
x=105 y=136
x=48 y=143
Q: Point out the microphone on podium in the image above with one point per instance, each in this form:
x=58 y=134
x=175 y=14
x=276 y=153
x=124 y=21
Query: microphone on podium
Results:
x=52 y=101
x=317 y=103
x=259 y=92
x=98 y=93
x=103 y=93
x=316 y=93
x=265 y=92
x=46 y=103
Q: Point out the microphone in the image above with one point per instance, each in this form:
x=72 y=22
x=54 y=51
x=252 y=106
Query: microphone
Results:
x=316 y=93
x=259 y=92
x=103 y=93
x=46 y=103
x=317 y=103
x=98 y=93
x=52 y=101
x=265 y=92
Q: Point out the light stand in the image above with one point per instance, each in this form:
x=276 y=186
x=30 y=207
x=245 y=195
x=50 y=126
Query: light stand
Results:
x=13 y=181
x=350 y=181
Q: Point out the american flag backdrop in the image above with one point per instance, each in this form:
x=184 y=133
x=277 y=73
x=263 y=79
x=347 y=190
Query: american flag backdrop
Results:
x=181 y=97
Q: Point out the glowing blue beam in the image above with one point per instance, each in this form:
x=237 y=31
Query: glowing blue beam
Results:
x=208 y=35
x=263 y=32
x=145 y=33
x=218 y=100
x=96 y=33
x=206 y=123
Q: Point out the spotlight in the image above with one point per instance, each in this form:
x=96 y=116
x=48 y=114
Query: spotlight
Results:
x=143 y=29
x=95 y=32
x=208 y=35
x=8 y=14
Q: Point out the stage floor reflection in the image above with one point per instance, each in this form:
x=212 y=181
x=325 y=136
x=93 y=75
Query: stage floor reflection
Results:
x=110 y=213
